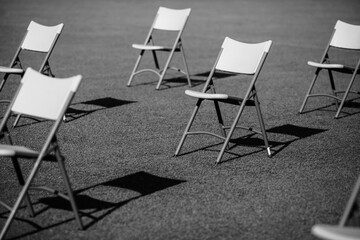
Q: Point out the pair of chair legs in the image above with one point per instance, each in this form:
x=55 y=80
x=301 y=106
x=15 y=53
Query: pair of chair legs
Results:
x=27 y=185
x=226 y=137
x=167 y=21
x=339 y=101
x=245 y=61
x=160 y=72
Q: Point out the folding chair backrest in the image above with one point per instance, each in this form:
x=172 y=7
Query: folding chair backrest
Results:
x=41 y=38
x=42 y=96
x=346 y=36
x=171 y=19
x=239 y=57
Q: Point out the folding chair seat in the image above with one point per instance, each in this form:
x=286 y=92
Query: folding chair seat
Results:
x=341 y=232
x=40 y=39
x=166 y=20
x=236 y=58
x=46 y=98
x=346 y=39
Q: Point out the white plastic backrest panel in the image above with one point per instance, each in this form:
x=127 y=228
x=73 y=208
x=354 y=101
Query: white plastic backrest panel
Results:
x=39 y=37
x=43 y=96
x=171 y=19
x=241 y=57
x=346 y=36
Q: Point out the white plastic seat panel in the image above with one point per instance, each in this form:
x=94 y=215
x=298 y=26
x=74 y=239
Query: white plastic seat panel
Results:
x=211 y=96
x=202 y=95
x=149 y=47
x=330 y=232
x=14 y=150
x=11 y=70
x=325 y=65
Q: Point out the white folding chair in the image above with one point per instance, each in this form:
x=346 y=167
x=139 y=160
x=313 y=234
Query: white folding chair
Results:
x=345 y=37
x=341 y=232
x=47 y=98
x=38 y=39
x=237 y=58
x=166 y=20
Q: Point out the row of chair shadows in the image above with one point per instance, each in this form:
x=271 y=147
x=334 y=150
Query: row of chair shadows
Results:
x=344 y=36
x=105 y=103
x=93 y=209
x=250 y=97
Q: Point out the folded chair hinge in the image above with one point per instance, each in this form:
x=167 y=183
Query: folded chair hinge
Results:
x=47 y=70
x=326 y=59
x=17 y=63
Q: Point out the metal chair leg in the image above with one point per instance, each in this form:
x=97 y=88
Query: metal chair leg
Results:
x=188 y=127
x=135 y=67
x=22 y=182
x=262 y=125
x=20 y=198
x=165 y=69
x=345 y=95
x=309 y=90
x=186 y=66
x=233 y=126
x=350 y=203
x=68 y=188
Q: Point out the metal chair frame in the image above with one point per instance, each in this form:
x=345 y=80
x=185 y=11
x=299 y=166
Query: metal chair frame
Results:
x=347 y=37
x=250 y=97
x=28 y=43
x=50 y=149
x=160 y=24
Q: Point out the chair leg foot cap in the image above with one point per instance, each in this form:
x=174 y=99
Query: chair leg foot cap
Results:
x=269 y=152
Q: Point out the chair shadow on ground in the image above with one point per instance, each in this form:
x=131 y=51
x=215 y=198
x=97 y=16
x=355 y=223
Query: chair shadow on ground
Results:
x=349 y=104
x=174 y=82
x=95 y=105
x=217 y=75
x=142 y=183
x=252 y=140
x=196 y=80
x=290 y=130
x=87 y=107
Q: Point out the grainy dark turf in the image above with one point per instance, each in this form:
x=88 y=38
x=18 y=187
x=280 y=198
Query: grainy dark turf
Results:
x=119 y=145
